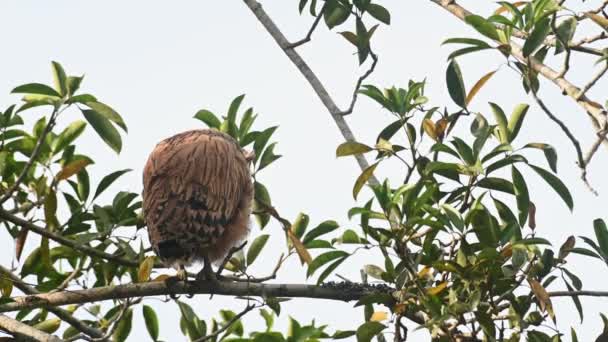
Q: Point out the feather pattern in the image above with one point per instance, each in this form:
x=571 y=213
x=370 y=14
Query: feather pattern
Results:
x=197 y=196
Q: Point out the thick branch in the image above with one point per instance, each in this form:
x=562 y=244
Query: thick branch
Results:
x=19 y=329
x=597 y=113
x=340 y=291
x=310 y=76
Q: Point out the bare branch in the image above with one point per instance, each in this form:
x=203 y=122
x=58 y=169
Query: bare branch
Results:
x=19 y=329
x=310 y=32
x=310 y=76
x=593 y=81
x=578 y=293
x=334 y=291
x=359 y=82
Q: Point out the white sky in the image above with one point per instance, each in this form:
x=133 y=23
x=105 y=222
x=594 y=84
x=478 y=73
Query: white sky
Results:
x=157 y=63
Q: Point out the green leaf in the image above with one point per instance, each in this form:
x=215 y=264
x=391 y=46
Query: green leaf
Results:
x=565 y=32
x=268 y=156
x=104 y=128
x=35 y=88
x=108 y=113
x=549 y=152
x=60 y=78
x=108 y=180
x=68 y=135
x=336 y=15
x=350 y=148
x=261 y=140
x=363 y=178
x=363 y=49
x=601 y=233
x=194 y=326
x=208 y=118
x=330 y=269
x=482 y=26
x=494 y=183
x=456 y=84
x=379 y=12
x=321 y=229
x=256 y=247
x=323 y=259
x=521 y=195
x=454 y=215
x=151 y=321
x=537 y=37
x=124 y=327
x=501 y=120
x=234 y=107
x=368 y=330
x=556 y=184
x=516 y=120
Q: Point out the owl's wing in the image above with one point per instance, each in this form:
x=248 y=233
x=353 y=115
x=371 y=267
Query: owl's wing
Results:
x=204 y=170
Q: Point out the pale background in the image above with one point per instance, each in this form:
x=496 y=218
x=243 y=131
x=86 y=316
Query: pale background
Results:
x=158 y=62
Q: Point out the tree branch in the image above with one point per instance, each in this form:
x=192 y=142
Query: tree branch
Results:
x=310 y=76
x=594 y=109
x=333 y=291
x=62 y=314
x=65 y=241
x=19 y=329
x=26 y=169
x=578 y=293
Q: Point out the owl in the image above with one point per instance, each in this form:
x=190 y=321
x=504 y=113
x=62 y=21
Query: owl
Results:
x=197 y=198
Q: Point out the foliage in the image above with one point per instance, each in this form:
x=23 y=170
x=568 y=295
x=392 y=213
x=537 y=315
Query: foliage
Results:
x=462 y=254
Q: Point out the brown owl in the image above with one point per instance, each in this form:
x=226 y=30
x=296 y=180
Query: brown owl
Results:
x=197 y=198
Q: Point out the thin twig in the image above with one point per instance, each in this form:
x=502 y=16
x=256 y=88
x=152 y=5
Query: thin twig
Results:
x=228 y=324
x=65 y=241
x=592 y=82
x=310 y=31
x=359 y=82
x=34 y=156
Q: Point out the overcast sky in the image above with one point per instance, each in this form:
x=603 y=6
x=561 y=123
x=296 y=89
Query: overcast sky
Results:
x=158 y=62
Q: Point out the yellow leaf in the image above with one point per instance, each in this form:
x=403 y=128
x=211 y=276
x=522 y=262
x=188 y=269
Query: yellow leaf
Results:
x=379 y=316
x=507 y=252
x=161 y=277
x=363 y=178
x=429 y=127
x=482 y=81
x=72 y=169
x=598 y=19
x=384 y=145
x=400 y=308
x=437 y=289
x=542 y=296
x=300 y=249
x=49 y=326
x=502 y=9
x=145 y=268
x=440 y=128
x=424 y=272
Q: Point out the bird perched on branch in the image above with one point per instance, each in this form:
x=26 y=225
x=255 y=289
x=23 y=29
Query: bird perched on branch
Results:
x=197 y=198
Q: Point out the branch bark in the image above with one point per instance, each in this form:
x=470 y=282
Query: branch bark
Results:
x=595 y=110
x=333 y=291
x=309 y=75
x=21 y=330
